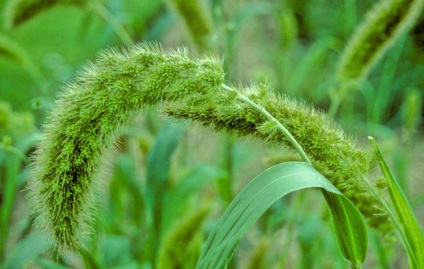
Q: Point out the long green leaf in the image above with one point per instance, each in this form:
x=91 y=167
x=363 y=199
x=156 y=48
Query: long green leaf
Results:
x=158 y=179
x=410 y=230
x=8 y=197
x=158 y=168
x=262 y=192
x=12 y=51
x=26 y=251
x=349 y=227
x=190 y=184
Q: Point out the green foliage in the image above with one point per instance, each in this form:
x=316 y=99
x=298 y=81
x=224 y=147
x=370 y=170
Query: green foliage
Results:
x=196 y=21
x=258 y=258
x=267 y=188
x=70 y=155
x=382 y=27
x=14 y=124
x=410 y=230
x=176 y=244
x=83 y=128
x=11 y=51
x=20 y=11
x=26 y=250
x=333 y=152
x=165 y=180
x=158 y=178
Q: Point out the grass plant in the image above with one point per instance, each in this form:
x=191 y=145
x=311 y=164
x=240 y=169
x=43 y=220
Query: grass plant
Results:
x=110 y=184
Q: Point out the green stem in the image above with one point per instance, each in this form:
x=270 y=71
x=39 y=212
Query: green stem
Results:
x=113 y=22
x=408 y=225
x=271 y=118
x=396 y=223
x=34 y=72
x=225 y=183
x=12 y=171
x=15 y=152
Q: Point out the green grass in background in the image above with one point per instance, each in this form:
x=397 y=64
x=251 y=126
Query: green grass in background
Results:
x=165 y=175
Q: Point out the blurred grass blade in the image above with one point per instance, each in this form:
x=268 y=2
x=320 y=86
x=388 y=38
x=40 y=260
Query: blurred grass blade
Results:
x=379 y=249
x=158 y=178
x=262 y=192
x=7 y=194
x=410 y=230
x=12 y=51
x=26 y=251
x=191 y=184
x=20 y=11
x=90 y=260
x=158 y=168
x=311 y=58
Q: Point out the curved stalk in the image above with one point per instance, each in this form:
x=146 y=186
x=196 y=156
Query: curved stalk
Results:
x=271 y=118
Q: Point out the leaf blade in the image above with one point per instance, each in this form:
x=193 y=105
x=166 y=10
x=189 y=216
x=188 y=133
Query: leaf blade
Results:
x=257 y=197
x=411 y=231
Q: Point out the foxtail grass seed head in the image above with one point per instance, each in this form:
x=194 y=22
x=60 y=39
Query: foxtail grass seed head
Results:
x=90 y=113
x=381 y=28
x=196 y=20
x=87 y=118
x=332 y=152
x=19 y=11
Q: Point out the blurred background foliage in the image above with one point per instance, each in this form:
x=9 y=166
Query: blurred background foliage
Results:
x=168 y=183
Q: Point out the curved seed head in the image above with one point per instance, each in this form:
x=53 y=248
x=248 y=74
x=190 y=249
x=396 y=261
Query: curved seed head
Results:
x=381 y=28
x=332 y=152
x=88 y=116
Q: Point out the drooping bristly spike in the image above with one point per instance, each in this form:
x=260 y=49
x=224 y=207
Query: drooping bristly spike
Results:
x=331 y=151
x=381 y=28
x=91 y=111
x=88 y=116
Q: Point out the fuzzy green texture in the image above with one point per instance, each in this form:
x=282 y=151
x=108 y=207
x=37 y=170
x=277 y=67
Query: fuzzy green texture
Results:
x=381 y=28
x=331 y=151
x=196 y=21
x=89 y=114
x=84 y=125
x=19 y=11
